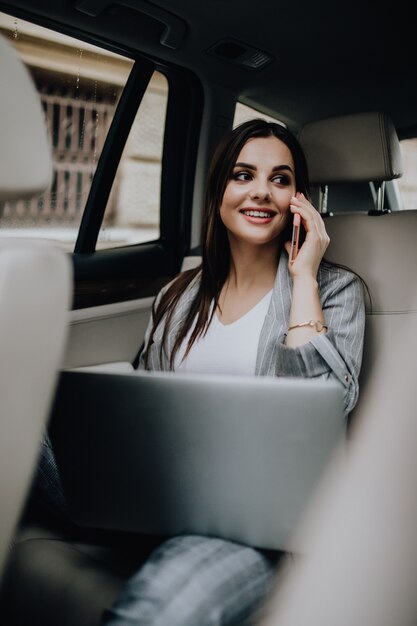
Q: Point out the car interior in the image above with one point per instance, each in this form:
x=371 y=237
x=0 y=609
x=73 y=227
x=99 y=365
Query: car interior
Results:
x=104 y=208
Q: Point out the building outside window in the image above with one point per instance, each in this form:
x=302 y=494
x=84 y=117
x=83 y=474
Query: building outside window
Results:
x=79 y=86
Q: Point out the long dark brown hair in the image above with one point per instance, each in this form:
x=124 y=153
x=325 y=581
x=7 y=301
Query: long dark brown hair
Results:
x=215 y=263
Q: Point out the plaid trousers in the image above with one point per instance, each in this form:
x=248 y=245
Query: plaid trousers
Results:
x=192 y=580
x=46 y=486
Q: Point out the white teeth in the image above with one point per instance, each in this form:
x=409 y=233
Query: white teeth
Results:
x=257 y=213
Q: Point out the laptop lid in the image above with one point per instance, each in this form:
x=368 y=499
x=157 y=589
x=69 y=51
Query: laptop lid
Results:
x=168 y=454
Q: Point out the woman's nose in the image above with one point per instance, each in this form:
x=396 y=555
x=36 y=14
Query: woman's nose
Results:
x=260 y=191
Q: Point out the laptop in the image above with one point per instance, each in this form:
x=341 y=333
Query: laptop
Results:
x=166 y=454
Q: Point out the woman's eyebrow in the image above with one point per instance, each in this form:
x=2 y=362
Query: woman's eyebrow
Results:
x=247 y=165
x=277 y=168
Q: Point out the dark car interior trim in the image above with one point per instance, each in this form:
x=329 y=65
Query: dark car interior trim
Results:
x=115 y=141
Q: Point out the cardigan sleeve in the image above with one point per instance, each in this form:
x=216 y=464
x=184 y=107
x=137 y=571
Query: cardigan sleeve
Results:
x=141 y=363
x=154 y=362
x=336 y=354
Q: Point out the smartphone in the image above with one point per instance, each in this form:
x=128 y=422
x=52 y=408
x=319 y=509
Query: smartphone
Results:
x=295 y=237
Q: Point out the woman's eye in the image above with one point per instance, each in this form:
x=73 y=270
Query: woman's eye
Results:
x=281 y=180
x=241 y=176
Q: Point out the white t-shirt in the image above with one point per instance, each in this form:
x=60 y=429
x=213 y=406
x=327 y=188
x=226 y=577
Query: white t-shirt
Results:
x=226 y=348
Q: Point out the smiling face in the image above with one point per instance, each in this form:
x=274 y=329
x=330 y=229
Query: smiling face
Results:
x=255 y=205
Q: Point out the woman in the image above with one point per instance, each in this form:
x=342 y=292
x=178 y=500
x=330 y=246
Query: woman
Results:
x=245 y=310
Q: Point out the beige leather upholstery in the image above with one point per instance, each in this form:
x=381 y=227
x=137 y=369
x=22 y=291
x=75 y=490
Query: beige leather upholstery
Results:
x=34 y=299
x=353 y=148
x=107 y=334
x=382 y=250
x=35 y=291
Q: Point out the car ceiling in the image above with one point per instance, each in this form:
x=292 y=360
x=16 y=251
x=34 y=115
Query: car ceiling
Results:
x=328 y=58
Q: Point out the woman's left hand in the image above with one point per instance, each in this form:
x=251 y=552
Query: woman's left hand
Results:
x=312 y=251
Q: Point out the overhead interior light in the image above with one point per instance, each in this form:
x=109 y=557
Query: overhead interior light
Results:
x=240 y=54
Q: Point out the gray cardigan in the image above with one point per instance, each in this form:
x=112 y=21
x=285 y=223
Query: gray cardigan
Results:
x=336 y=354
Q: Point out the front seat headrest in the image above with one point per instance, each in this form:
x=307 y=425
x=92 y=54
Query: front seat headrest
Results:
x=25 y=157
x=352 y=148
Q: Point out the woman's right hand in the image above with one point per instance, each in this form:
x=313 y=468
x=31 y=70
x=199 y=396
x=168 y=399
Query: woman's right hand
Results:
x=310 y=254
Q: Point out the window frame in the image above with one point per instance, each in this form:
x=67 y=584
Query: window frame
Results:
x=140 y=270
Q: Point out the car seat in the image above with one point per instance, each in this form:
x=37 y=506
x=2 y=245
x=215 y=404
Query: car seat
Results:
x=35 y=292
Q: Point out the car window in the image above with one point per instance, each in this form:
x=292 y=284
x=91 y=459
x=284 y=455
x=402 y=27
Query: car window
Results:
x=79 y=86
x=407 y=184
x=244 y=113
x=132 y=214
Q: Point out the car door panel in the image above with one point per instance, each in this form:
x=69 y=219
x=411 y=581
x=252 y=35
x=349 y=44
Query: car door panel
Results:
x=108 y=333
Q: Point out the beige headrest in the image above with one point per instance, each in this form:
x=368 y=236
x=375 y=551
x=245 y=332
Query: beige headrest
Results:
x=352 y=148
x=26 y=165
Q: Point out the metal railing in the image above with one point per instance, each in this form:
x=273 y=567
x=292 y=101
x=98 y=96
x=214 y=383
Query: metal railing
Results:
x=77 y=129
